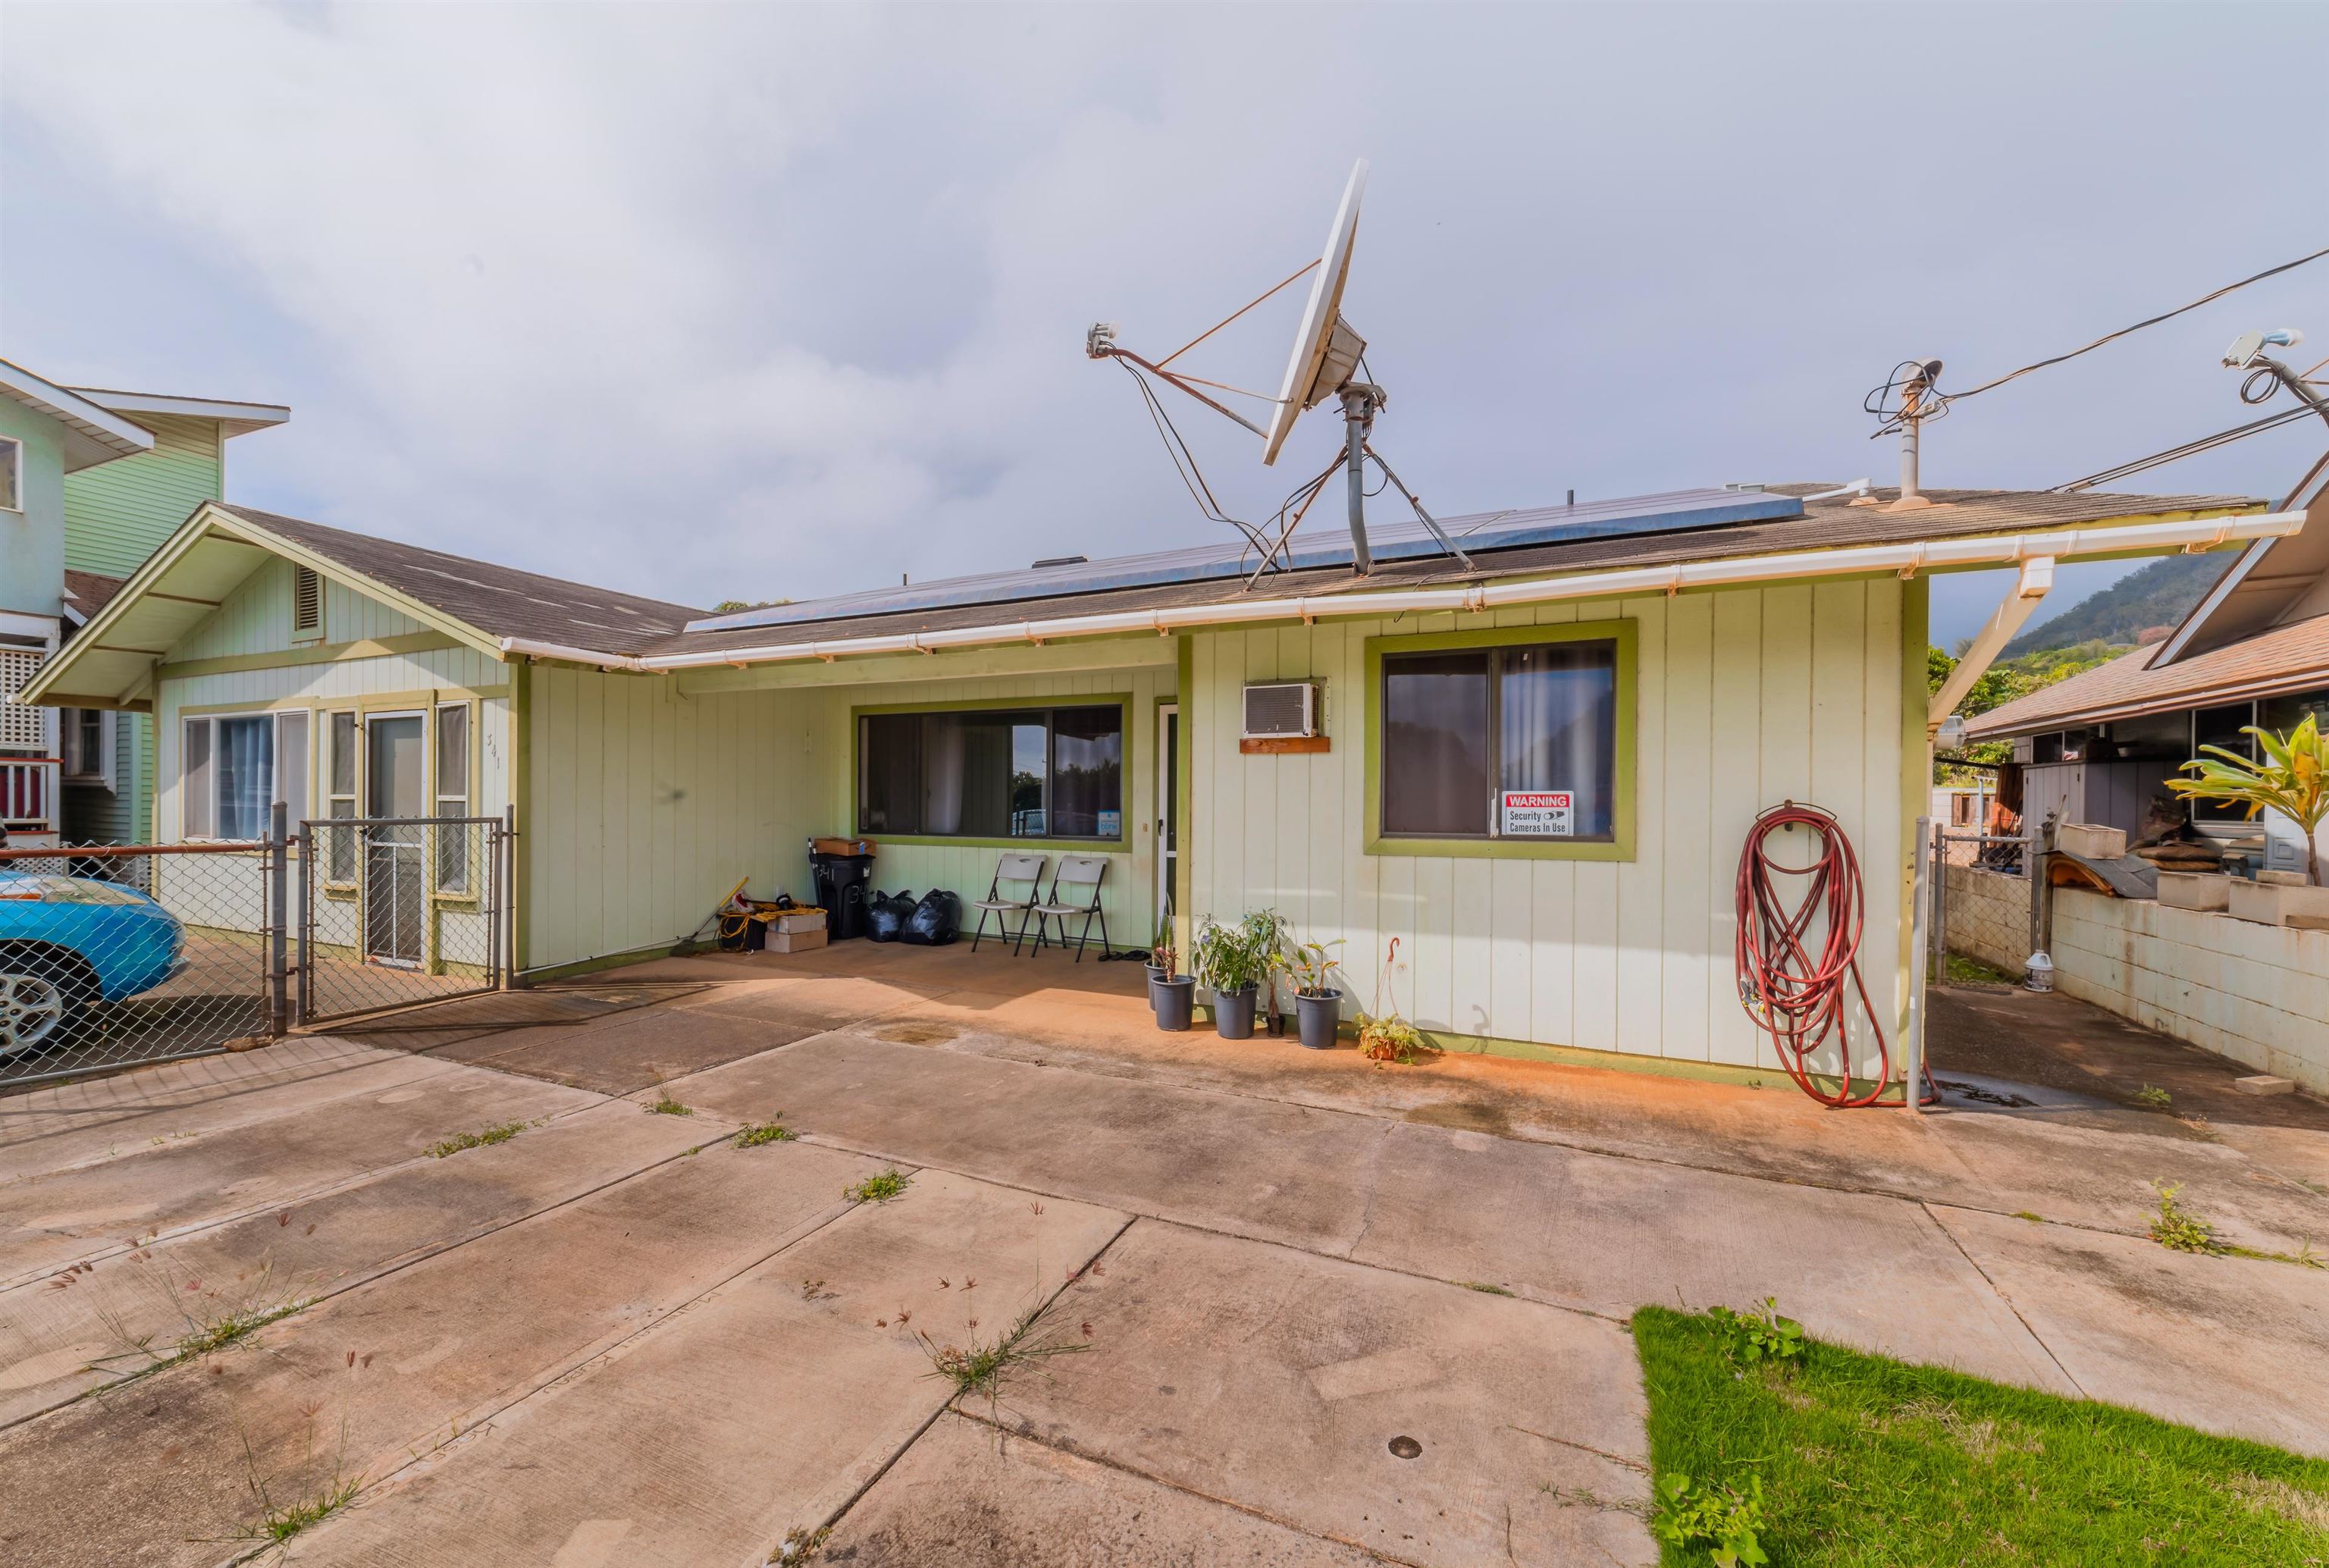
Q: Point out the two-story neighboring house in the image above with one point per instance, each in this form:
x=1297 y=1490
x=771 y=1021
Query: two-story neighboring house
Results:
x=91 y=480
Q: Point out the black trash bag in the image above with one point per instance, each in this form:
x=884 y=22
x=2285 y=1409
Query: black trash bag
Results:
x=886 y=915
x=937 y=919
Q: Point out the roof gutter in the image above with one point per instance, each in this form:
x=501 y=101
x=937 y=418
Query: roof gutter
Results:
x=2193 y=534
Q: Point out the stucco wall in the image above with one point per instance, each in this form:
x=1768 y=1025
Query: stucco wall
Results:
x=1745 y=698
x=2256 y=993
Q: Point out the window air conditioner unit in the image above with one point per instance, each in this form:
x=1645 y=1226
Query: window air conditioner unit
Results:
x=1281 y=711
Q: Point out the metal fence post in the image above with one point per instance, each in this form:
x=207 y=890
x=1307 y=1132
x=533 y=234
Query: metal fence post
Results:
x=306 y=920
x=278 y=914
x=506 y=897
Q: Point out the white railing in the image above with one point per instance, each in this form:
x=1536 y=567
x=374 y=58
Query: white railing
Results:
x=28 y=793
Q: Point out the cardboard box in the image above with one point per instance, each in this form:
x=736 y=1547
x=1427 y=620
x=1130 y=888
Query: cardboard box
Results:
x=797 y=941
x=2203 y=890
x=2088 y=840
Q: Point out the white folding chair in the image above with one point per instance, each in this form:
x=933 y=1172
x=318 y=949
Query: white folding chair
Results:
x=1013 y=869
x=1077 y=873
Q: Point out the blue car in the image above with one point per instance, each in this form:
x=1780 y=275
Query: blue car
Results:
x=69 y=942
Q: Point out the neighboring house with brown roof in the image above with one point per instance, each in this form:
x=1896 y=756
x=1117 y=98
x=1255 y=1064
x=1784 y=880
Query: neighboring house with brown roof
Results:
x=2100 y=746
x=1534 y=770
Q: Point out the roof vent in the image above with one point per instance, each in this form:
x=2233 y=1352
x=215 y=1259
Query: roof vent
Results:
x=306 y=602
x=1061 y=560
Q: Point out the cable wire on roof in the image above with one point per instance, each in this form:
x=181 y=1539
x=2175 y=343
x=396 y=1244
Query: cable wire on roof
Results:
x=2138 y=326
x=2188 y=449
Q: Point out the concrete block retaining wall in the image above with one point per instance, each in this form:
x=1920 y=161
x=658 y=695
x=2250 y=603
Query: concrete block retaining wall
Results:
x=2256 y=993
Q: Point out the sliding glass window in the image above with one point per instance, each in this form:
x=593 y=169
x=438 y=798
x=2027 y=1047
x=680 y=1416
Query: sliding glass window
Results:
x=1501 y=743
x=992 y=773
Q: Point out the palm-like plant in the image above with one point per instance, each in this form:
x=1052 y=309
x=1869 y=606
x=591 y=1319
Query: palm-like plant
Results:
x=2293 y=780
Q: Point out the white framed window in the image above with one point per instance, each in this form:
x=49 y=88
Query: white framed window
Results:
x=307 y=603
x=340 y=775
x=452 y=796
x=11 y=475
x=86 y=746
x=227 y=779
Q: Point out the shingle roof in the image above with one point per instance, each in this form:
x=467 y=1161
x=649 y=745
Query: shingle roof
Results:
x=2292 y=657
x=499 y=600
x=91 y=591
x=1823 y=524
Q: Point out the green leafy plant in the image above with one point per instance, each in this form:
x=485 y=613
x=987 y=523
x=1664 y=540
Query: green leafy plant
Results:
x=1726 y=1521
x=878 y=1189
x=1162 y=952
x=1758 y=1334
x=499 y=1132
x=2178 y=1229
x=2293 y=780
x=2151 y=1097
x=753 y=1136
x=1234 y=958
x=1312 y=968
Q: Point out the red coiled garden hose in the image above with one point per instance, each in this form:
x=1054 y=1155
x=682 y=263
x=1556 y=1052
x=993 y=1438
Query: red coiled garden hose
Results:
x=1795 y=995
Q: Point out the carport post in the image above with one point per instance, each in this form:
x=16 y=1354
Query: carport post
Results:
x=1912 y=1054
x=278 y=904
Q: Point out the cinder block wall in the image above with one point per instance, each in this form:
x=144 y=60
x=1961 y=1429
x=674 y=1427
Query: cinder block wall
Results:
x=1987 y=916
x=2256 y=993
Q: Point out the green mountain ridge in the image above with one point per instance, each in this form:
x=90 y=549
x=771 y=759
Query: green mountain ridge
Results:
x=2158 y=595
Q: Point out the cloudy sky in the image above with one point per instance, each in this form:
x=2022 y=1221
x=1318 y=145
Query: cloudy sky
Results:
x=749 y=301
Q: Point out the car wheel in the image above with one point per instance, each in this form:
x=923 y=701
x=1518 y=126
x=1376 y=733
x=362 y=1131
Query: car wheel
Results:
x=43 y=997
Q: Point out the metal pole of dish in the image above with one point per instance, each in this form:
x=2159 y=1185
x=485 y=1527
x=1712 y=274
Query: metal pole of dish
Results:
x=279 y=913
x=1358 y=413
x=1912 y=1052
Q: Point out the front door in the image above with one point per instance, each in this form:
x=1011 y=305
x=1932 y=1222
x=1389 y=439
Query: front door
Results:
x=1168 y=795
x=394 y=899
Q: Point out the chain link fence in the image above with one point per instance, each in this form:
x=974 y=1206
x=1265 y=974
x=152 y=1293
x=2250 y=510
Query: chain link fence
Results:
x=394 y=910
x=111 y=955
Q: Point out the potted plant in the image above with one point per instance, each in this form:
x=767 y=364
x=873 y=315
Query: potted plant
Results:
x=1387 y=1036
x=1232 y=964
x=2292 y=779
x=1317 y=1005
x=1172 y=995
x=1265 y=936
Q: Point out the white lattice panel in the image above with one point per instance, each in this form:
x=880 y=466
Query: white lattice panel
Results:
x=20 y=726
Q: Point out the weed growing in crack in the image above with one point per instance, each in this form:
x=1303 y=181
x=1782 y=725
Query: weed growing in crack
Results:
x=879 y=1189
x=2026 y=1215
x=499 y=1132
x=1482 y=1287
x=211 y=1319
x=801 y=1545
x=2179 y=1229
x=753 y=1136
x=2151 y=1097
x=666 y=1105
x=1036 y=1336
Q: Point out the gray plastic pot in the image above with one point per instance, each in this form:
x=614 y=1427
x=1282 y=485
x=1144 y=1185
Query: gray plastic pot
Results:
x=1155 y=973
x=1317 y=1017
x=1233 y=1014
x=1174 y=999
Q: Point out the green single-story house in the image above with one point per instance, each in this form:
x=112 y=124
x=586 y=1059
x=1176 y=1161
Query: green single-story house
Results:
x=1535 y=771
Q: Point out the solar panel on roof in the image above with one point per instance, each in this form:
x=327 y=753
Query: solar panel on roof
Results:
x=1312 y=546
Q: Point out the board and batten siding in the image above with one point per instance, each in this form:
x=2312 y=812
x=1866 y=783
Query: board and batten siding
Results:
x=1745 y=698
x=256 y=619
x=118 y=514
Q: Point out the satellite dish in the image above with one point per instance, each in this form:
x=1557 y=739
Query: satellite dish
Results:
x=1325 y=349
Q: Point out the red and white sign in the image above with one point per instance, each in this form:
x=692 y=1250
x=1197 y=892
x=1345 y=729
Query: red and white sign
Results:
x=1538 y=814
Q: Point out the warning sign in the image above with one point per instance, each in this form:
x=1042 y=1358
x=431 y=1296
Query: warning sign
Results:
x=1538 y=814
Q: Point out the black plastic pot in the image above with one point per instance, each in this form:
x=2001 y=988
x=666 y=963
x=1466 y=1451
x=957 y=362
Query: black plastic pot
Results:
x=1155 y=973
x=1233 y=1014
x=1317 y=1017
x=1173 y=1000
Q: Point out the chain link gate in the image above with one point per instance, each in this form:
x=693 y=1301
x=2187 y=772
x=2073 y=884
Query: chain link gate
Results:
x=398 y=910
x=116 y=955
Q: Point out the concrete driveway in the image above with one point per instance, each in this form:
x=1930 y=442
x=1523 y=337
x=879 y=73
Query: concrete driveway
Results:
x=1305 y=1309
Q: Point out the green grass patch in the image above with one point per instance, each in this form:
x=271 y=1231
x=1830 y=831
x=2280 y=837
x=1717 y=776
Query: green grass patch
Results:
x=1956 y=970
x=499 y=1132
x=878 y=1189
x=753 y=1136
x=1838 y=1458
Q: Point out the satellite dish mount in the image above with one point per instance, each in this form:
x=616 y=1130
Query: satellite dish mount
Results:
x=1328 y=358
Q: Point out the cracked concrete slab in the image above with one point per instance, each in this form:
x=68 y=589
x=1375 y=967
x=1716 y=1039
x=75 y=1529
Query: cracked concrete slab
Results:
x=2230 y=1344
x=970 y=1495
x=312 y=1140
x=1608 y=1235
x=58 y=1343
x=156 y=1471
x=762 y=1408
x=1431 y=1423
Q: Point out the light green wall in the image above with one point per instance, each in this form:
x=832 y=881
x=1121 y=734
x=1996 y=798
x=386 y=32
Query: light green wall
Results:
x=1744 y=698
x=119 y=512
x=32 y=541
x=256 y=617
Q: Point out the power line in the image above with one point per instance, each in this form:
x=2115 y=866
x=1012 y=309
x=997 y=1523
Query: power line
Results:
x=2188 y=449
x=2138 y=326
